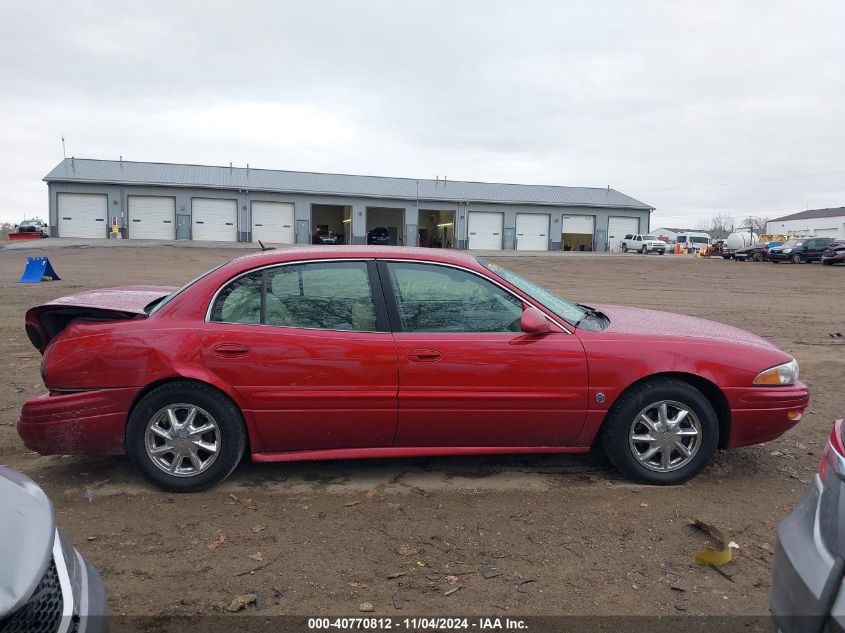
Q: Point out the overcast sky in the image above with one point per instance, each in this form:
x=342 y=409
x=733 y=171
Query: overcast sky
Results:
x=660 y=100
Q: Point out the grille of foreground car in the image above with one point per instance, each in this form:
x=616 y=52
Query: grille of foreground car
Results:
x=43 y=612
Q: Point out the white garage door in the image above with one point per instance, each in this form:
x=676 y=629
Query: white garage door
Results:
x=826 y=232
x=83 y=215
x=532 y=232
x=152 y=218
x=272 y=222
x=485 y=230
x=580 y=224
x=618 y=228
x=214 y=220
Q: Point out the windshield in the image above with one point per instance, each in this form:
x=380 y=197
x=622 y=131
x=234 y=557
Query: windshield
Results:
x=567 y=311
x=795 y=243
x=156 y=305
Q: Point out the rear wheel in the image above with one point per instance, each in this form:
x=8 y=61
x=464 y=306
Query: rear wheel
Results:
x=185 y=436
x=663 y=432
x=827 y=262
x=796 y=258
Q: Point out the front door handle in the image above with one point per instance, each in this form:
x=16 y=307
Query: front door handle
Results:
x=231 y=350
x=424 y=355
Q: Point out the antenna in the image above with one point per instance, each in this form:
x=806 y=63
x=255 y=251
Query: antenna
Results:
x=121 y=161
x=64 y=153
x=72 y=164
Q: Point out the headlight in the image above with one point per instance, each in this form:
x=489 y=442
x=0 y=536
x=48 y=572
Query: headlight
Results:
x=786 y=250
x=785 y=374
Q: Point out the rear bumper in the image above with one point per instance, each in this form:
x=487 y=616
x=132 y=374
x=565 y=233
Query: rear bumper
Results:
x=806 y=575
x=761 y=414
x=85 y=422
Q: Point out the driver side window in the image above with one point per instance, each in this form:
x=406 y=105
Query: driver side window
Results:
x=435 y=298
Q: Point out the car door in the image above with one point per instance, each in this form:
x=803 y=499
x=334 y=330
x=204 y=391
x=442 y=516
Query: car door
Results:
x=308 y=348
x=467 y=375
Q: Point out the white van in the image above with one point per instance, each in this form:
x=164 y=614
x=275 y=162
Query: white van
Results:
x=693 y=240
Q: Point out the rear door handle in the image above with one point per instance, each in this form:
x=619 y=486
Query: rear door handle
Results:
x=231 y=350
x=424 y=355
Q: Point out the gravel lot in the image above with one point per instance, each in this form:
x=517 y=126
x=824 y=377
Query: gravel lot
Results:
x=336 y=535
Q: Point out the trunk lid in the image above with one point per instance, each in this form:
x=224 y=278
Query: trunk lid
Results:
x=44 y=322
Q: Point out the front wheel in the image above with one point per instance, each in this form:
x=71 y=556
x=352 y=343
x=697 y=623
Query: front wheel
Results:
x=795 y=258
x=644 y=250
x=759 y=257
x=185 y=436
x=624 y=248
x=663 y=431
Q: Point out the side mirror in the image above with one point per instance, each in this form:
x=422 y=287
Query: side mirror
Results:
x=534 y=322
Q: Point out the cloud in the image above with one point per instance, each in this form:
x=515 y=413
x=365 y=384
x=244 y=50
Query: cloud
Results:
x=644 y=97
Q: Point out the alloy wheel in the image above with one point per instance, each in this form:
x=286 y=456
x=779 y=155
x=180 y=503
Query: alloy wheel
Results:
x=665 y=436
x=182 y=439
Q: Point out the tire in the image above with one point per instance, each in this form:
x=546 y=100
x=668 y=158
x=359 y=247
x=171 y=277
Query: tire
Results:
x=661 y=252
x=624 y=248
x=211 y=408
x=795 y=258
x=758 y=257
x=623 y=423
x=827 y=262
x=644 y=250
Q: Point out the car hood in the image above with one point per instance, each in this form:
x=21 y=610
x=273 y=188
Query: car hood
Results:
x=28 y=528
x=627 y=320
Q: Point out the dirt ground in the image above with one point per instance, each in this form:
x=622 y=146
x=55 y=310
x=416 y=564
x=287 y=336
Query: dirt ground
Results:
x=329 y=536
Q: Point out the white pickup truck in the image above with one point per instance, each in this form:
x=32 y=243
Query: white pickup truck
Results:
x=643 y=244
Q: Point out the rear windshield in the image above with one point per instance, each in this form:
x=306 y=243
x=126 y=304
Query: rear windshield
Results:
x=156 y=305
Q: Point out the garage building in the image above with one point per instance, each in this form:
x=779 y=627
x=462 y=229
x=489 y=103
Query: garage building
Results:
x=164 y=201
x=811 y=223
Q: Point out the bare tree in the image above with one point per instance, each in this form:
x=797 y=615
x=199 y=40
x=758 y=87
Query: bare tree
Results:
x=720 y=225
x=757 y=224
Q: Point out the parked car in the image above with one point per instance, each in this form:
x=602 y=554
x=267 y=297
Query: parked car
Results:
x=834 y=254
x=757 y=252
x=808 y=591
x=379 y=236
x=375 y=352
x=46 y=584
x=805 y=249
x=325 y=236
x=643 y=244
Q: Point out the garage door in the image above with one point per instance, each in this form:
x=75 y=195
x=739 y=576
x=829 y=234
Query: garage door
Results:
x=485 y=230
x=618 y=228
x=272 y=222
x=83 y=215
x=578 y=224
x=214 y=220
x=151 y=218
x=532 y=232
x=826 y=232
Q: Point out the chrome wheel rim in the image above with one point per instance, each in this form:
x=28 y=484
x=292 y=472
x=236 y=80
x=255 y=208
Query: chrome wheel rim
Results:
x=665 y=436
x=182 y=440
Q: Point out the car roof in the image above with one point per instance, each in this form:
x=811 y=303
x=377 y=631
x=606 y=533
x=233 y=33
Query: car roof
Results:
x=294 y=253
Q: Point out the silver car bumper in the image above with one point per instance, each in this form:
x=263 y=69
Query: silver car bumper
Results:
x=807 y=585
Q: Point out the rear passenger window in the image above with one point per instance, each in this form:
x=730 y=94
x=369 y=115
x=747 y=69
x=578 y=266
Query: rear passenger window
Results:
x=324 y=295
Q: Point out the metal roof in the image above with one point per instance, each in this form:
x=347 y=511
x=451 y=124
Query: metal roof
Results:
x=84 y=170
x=833 y=212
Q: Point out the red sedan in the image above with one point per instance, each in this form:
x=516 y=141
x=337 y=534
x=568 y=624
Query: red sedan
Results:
x=376 y=352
